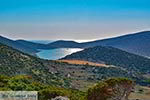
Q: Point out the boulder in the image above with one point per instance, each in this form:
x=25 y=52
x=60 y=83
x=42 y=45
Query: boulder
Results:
x=60 y=98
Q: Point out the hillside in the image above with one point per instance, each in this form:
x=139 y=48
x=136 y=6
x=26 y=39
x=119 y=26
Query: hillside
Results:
x=64 y=44
x=137 y=43
x=113 y=56
x=82 y=62
x=45 y=92
x=49 y=92
x=32 y=44
x=14 y=62
x=18 y=46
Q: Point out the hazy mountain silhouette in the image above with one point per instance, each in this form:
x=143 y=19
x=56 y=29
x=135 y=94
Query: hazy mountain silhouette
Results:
x=137 y=43
x=17 y=45
x=32 y=44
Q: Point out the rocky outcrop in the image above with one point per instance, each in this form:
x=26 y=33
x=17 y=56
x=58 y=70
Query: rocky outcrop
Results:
x=60 y=98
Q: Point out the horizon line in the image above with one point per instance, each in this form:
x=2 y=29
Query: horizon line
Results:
x=86 y=40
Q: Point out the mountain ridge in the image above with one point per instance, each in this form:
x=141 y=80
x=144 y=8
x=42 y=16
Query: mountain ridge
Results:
x=18 y=46
x=137 y=43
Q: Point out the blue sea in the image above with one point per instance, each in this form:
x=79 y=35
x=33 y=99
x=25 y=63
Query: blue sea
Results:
x=54 y=54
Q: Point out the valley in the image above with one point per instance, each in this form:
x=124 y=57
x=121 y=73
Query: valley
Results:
x=74 y=49
x=56 y=73
x=76 y=69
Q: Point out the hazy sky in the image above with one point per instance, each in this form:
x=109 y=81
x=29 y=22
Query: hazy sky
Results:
x=72 y=19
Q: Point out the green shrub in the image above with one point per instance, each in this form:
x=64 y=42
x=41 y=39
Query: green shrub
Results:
x=25 y=83
x=3 y=80
x=52 y=93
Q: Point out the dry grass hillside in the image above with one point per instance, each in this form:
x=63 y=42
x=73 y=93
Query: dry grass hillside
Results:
x=82 y=62
x=140 y=93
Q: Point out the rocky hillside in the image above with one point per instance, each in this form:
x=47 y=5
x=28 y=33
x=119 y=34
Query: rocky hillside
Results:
x=14 y=62
x=113 y=56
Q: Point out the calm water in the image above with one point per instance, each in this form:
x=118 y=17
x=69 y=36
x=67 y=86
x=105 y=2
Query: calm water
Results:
x=55 y=54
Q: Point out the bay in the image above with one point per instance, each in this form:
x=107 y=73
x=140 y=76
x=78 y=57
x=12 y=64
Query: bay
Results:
x=54 y=54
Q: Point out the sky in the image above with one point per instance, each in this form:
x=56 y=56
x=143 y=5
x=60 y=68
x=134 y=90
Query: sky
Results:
x=72 y=19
